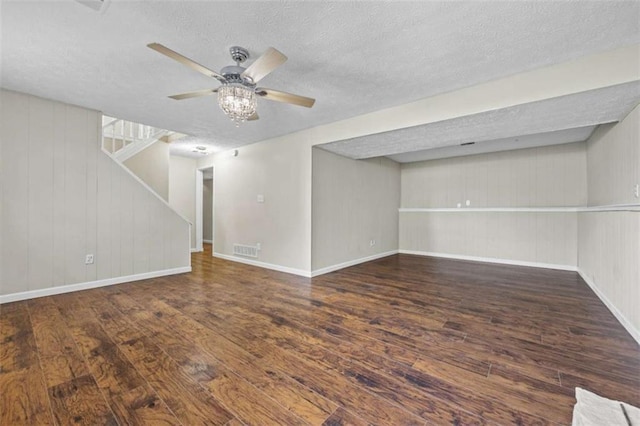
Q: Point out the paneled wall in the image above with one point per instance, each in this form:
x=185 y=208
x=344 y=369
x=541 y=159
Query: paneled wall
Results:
x=63 y=198
x=609 y=243
x=613 y=162
x=550 y=176
x=515 y=212
x=354 y=203
x=522 y=237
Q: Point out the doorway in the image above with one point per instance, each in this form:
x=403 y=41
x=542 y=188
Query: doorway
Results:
x=204 y=207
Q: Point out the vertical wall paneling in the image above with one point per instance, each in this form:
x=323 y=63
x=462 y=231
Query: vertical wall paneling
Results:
x=353 y=202
x=15 y=170
x=126 y=226
x=115 y=217
x=104 y=238
x=156 y=239
x=58 y=250
x=40 y=202
x=551 y=176
x=75 y=195
x=140 y=230
x=609 y=241
x=63 y=198
x=92 y=145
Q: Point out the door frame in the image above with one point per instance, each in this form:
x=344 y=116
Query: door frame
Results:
x=199 y=206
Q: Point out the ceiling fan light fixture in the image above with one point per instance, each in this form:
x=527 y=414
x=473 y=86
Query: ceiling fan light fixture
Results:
x=237 y=101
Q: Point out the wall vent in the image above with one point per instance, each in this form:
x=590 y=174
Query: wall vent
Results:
x=247 y=251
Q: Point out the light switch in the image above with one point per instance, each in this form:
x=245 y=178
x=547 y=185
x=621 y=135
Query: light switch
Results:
x=260 y=198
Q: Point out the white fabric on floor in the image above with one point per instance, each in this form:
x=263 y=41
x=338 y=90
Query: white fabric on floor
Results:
x=594 y=410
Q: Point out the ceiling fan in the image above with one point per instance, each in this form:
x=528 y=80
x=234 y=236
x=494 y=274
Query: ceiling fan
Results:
x=238 y=93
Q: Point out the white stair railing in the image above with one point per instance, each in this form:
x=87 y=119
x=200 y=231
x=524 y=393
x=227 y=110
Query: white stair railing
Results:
x=122 y=139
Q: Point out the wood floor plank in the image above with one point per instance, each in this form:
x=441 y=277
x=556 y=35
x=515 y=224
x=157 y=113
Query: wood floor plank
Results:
x=400 y=340
x=60 y=358
x=18 y=349
x=23 y=398
x=219 y=356
x=142 y=406
x=342 y=417
x=186 y=399
x=80 y=402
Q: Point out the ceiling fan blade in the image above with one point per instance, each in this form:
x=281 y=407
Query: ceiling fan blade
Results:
x=253 y=117
x=195 y=94
x=275 y=95
x=269 y=61
x=185 y=61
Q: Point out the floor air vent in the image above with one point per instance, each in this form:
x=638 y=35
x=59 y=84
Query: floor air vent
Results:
x=247 y=251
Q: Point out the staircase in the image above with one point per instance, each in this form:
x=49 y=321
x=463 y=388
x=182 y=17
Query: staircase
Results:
x=123 y=139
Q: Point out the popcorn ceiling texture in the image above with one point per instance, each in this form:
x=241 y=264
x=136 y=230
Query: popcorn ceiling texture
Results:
x=353 y=57
x=558 y=137
x=566 y=112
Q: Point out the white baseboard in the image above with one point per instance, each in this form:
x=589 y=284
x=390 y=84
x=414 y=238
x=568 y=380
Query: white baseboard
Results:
x=616 y=313
x=343 y=265
x=272 y=266
x=32 y=294
x=492 y=260
x=196 y=250
x=207 y=241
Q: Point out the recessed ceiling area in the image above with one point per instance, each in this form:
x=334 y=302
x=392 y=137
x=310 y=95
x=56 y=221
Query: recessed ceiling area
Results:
x=558 y=137
x=353 y=57
x=579 y=110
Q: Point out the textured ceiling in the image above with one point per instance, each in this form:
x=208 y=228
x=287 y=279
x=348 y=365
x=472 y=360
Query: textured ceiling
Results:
x=353 y=57
x=558 y=137
x=583 y=109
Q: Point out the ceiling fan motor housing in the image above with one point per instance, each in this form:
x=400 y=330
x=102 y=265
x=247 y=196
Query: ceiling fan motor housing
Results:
x=233 y=74
x=239 y=54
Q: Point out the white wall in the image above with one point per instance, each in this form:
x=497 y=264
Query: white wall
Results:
x=152 y=166
x=280 y=170
x=550 y=176
x=282 y=165
x=353 y=202
x=207 y=209
x=63 y=198
x=609 y=242
x=182 y=189
x=527 y=179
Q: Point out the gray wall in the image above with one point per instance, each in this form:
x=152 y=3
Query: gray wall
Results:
x=552 y=176
x=207 y=209
x=63 y=198
x=353 y=202
x=609 y=243
x=152 y=166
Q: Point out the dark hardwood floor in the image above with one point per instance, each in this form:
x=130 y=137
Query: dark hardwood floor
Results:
x=400 y=341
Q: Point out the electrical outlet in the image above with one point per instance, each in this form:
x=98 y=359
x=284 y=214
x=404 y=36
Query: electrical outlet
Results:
x=636 y=190
x=372 y=243
x=258 y=246
x=88 y=260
